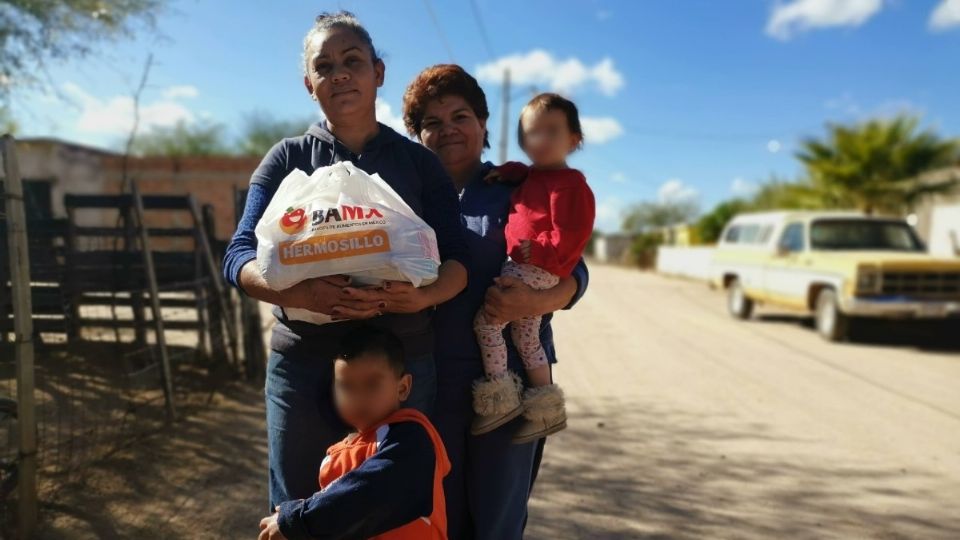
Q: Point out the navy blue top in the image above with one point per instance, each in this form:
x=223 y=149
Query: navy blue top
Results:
x=412 y=170
x=390 y=489
x=483 y=210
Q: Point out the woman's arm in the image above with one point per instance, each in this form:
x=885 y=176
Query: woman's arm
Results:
x=239 y=263
x=327 y=295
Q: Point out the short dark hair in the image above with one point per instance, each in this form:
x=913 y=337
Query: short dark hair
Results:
x=368 y=339
x=549 y=101
x=437 y=82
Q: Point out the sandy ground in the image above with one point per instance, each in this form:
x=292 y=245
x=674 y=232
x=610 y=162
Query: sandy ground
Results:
x=683 y=424
x=688 y=424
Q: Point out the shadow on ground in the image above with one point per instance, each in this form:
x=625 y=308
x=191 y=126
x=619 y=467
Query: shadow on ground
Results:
x=643 y=471
x=202 y=477
x=932 y=336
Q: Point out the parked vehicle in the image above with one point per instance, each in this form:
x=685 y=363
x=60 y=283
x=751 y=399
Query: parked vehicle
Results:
x=837 y=266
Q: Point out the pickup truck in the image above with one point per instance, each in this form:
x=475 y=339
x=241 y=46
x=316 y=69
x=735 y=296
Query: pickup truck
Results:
x=837 y=266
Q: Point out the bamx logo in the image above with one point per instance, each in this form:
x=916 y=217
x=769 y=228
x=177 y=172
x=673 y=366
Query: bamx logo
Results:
x=344 y=213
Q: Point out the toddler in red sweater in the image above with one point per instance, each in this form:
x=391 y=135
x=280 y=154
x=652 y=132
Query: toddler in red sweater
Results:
x=550 y=223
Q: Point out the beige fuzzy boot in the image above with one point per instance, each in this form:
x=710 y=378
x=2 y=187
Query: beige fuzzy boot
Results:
x=496 y=402
x=544 y=413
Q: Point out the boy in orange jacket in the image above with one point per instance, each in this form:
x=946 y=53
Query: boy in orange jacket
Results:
x=386 y=480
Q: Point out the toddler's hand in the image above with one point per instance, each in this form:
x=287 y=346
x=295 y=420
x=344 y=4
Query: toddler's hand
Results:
x=270 y=529
x=511 y=172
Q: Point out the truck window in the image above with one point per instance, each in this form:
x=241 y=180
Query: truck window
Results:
x=792 y=238
x=864 y=234
x=732 y=235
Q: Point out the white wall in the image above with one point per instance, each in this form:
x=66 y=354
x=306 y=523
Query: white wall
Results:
x=945 y=223
x=691 y=262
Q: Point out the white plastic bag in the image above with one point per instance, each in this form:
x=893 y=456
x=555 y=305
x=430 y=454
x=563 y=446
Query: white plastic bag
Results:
x=341 y=220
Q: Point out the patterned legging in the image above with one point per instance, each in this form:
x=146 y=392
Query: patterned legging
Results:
x=525 y=332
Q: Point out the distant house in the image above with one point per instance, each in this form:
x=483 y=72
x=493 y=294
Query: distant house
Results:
x=680 y=235
x=938 y=217
x=612 y=248
x=51 y=168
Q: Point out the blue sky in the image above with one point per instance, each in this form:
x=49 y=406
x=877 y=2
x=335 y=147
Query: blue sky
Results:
x=694 y=99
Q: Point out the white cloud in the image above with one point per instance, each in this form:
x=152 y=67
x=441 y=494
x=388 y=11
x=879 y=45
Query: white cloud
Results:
x=619 y=177
x=676 y=191
x=773 y=146
x=181 y=91
x=741 y=187
x=604 y=14
x=385 y=116
x=946 y=15
x=791 y=18
x=600 y=129
x=540 y=68
x=845 y=104
x=114 y=116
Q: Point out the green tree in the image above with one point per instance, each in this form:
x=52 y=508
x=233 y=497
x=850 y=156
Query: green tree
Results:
x=778 y=194
x=874 y=166
x=182 y=140
x=32 y=32
x=711 y=224
x=261 y=132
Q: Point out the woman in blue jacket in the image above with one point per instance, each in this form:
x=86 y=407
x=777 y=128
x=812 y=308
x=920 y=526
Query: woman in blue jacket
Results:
x=342 y=73
x=490 y=480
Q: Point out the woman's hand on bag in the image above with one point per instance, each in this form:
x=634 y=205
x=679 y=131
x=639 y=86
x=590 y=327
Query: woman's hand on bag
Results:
x=331 y=295
x=395 y=297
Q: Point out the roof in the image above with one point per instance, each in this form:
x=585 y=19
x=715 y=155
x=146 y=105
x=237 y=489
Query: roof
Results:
x=53 y=141
x=782 y=215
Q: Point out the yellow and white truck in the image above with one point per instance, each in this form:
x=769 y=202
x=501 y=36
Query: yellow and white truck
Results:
x=835 y=265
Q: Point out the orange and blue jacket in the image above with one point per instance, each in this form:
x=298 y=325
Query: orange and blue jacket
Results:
x=385 y=483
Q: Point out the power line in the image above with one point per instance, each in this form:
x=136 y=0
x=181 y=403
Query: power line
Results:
x=436 y=25
x=483 y=29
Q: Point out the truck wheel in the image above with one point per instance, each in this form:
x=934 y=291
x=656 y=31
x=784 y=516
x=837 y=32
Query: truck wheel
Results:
x=832 y=325
x=738 y=304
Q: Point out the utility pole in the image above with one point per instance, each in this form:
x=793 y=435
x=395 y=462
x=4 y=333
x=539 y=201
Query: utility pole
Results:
x=505 y=115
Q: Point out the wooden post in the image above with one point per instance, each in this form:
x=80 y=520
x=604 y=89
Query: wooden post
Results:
x=4 y=298
x=200 y=298
x=136 y=296
x=23 y=339
x=165 y=373
x=220 y=290
x=254 y=348
x=71 y=285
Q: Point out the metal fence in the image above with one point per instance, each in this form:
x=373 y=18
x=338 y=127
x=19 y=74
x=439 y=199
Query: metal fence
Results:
x=121 y=322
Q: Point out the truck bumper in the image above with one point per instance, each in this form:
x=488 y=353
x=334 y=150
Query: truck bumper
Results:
x=902 y=309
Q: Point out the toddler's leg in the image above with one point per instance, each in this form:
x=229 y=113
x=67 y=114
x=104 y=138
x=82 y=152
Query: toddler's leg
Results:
x=544 y=410
x=496 y=398
x=525 y=333
x=492 y=347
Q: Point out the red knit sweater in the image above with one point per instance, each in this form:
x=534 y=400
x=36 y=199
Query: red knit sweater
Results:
x=554 y=209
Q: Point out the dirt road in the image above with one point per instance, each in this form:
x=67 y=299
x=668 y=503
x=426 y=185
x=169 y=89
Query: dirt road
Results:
x=683 y=424
x=688 y=424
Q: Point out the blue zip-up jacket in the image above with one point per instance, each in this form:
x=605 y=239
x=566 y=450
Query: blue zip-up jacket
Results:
x=412 y=170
